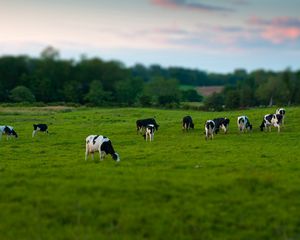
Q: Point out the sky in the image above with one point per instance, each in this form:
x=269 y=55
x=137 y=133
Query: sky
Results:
x=209 y=35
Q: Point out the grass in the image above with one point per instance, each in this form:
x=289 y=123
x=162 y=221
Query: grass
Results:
x=238 y=186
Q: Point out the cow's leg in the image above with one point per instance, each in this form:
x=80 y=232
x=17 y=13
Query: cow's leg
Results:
x=33 y=133
x=92 y=156
x=100 y=155
x=86 y=153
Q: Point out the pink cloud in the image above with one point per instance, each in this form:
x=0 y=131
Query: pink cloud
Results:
x=277 y=30
x=184 y=4
x=280 y=35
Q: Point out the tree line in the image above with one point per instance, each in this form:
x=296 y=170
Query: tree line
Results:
x=49 y=79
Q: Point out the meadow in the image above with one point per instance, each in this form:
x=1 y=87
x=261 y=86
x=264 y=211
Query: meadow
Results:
x=237 y=186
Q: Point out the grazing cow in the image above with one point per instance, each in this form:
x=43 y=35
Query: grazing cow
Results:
x=8 y=131
x=187 y=123
x=244 y=124
x=223 y=123
x=141 y=124
x=282 y=112
x=149 y=132
x=101 y=144
x=39 y=127
x=209 y=129
x=271 y=120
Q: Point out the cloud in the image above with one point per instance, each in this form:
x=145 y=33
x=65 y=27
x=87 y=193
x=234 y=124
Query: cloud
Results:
x=277 y=30
x=184 y=4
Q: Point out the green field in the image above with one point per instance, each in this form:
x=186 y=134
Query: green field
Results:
x=237 y=186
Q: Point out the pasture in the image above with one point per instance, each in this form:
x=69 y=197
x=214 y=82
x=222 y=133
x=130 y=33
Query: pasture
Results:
x=237 y=186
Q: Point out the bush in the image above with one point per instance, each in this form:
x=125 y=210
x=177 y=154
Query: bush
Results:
x=21 y=94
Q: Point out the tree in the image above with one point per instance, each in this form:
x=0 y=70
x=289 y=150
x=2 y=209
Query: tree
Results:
x=21 y=94
x=163 y=91
x=191 y=95
x=214 y=102
x=50 y=53
x=96 y=95
x=128 y=90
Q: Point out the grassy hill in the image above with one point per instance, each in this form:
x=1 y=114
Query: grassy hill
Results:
x=238 y=186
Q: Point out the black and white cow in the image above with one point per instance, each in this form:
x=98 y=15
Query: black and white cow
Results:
x=187 y=123
x=141 y=124
x=8 y=131
x=270 y=120
x=209 y=129
x=221 y=123
x=244 y=124
x=39 y=127
x=101 y=144
x=282 y=112
x=149 y=132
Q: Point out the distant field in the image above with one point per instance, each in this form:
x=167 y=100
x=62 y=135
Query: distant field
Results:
x=209 y=90
x=238 y=186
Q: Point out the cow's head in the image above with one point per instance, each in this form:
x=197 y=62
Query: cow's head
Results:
x=108 y=149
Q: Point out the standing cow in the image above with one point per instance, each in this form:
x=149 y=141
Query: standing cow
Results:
x=39 y=127
x=187 y=123
x=244 y=124
x=149 y=132
x=221 y=123
x=209 y=129
x=101 y=144
x=141 y=124
x=270 y=120
x=8 y=131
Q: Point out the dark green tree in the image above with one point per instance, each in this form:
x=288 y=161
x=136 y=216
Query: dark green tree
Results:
x=21 y=94
x=96 y=95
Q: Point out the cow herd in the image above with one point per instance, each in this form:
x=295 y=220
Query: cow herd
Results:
x=147 y=127
x=243 y=123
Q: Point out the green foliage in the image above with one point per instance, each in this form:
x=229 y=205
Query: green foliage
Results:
x=21 y=94
x=191 y=95
x=127 y=91
x=237 y=186
x=163 y=91
x=215 y=102
x=52 y=79
x=96 y=95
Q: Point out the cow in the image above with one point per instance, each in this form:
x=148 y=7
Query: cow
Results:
x=244 y=124
x=101 y=144
x=39 y=127
x=149 y=132
x=221 y=122
x=187 y=123
x=209 y=129
x=271 y=120
x=8 y=131
x=141 y=124
x=282 y=112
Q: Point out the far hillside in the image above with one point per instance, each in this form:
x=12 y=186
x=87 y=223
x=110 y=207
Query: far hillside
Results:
x=209 y=90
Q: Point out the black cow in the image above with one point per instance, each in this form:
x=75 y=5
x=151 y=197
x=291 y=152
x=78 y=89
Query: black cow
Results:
x=187 y=123
x=141 y=124
x=271 y=120
x=221 y=122
x=39 y=127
